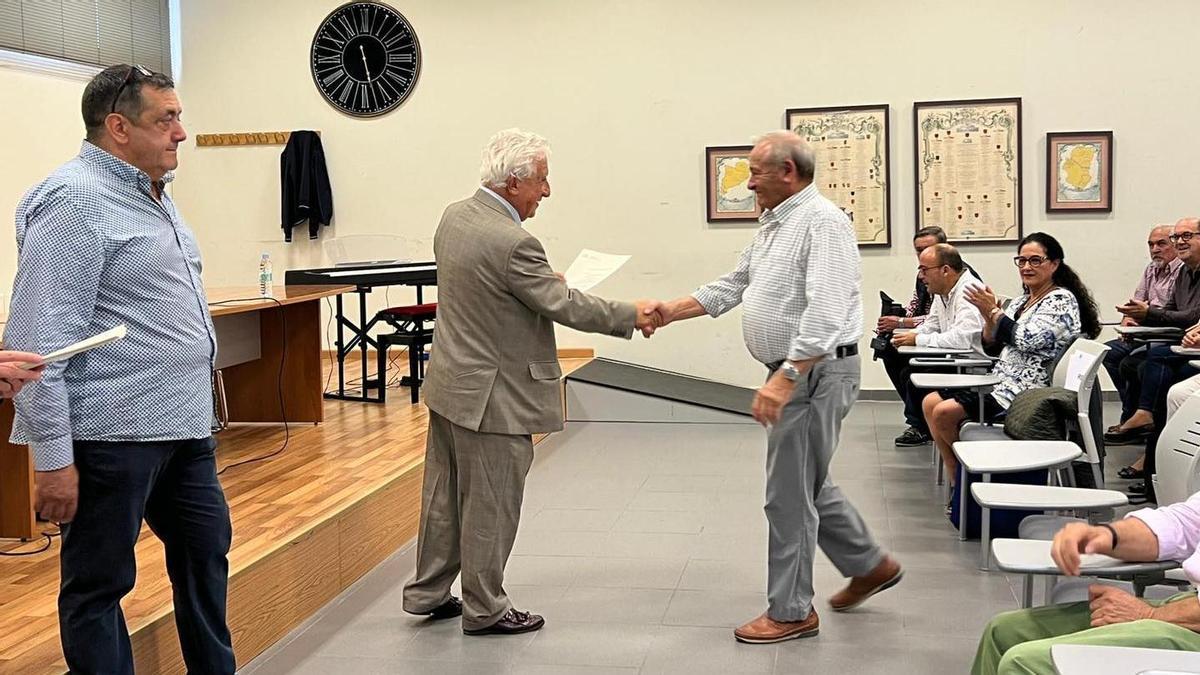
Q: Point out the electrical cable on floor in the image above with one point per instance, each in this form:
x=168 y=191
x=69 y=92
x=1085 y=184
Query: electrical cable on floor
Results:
x=49 y=537
x=287 y=435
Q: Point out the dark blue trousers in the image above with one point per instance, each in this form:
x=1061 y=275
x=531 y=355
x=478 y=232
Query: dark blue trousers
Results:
x=173 y=486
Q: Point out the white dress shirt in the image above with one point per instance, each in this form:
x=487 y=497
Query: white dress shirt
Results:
x=953 y=322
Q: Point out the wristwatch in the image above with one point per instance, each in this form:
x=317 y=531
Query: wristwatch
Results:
x=789 y=371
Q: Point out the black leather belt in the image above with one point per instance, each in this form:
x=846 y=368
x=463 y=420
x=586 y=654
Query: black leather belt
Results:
x=841 y=352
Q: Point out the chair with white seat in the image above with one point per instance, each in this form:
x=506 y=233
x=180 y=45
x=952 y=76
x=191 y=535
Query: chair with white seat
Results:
x=1078 y=370
x=1176 y=479
x=1057 y=497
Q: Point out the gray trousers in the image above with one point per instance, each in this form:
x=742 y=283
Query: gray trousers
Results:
x=804 y=508
x=470 y=508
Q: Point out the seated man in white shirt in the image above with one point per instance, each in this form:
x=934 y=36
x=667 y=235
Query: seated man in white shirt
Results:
x=1020 y=641
x=952 y=323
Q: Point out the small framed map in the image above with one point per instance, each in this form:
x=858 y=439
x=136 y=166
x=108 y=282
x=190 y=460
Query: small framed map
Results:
x=853 y=168
x=1079 y=171
x=727 y=173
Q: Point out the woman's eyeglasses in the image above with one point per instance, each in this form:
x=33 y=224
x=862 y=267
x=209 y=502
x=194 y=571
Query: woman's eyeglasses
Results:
x=1032 y=261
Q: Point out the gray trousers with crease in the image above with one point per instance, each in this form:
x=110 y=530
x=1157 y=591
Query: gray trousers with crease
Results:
x=804 y=508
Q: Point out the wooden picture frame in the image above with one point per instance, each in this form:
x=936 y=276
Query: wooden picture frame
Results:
x=728 y=197
x=1079 y=171
x=852 y=144
x=970 y=187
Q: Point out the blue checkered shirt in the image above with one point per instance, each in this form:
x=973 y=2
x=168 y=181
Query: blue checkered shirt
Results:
x=798 y=282
x=95 y=250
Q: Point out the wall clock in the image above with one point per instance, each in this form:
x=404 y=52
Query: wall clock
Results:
x=365 y=58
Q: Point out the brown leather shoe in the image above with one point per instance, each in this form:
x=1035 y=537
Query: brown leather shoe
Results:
x=510 y=624
x=765 y=630
x=885 y=575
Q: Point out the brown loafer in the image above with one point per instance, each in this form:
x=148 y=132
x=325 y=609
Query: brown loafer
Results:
x=512 y=623
x=765 y=630
x=885 y=575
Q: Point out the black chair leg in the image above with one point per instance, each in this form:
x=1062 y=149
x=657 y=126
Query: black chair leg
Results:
x=414 y=360
x=381 y=348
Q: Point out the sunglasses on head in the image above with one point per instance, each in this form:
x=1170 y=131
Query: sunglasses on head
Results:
x=129 y=77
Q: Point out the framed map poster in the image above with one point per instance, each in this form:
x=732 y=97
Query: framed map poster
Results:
x=1079 y=171
x=968 y=168
x=853 y=168
x=727 y=174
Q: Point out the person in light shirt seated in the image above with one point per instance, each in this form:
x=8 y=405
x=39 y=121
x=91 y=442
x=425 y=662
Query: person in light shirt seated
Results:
x=1019 y=642
x=952 y=323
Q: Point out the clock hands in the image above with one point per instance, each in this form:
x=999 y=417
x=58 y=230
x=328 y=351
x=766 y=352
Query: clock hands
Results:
x=364 y=58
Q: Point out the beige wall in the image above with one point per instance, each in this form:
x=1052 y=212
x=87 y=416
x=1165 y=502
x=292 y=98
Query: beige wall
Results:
x=629 y=93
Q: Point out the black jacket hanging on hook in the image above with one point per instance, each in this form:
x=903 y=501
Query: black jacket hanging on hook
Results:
x=304 y=184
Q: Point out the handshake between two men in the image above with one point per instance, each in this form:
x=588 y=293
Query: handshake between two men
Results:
x=654 y=314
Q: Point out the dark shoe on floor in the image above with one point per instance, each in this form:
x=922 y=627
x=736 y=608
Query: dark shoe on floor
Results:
x=885 y=575
x=765 y=630
x=447 y=610
x=1134 y=436
x=1130 y=473
x=1138 y=488
x=512 y=623
x=911 y=438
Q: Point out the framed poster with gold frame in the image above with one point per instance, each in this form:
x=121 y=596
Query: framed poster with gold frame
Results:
x=968 y=168
x=1079 y=171
x=727 y=177
x=853 y=166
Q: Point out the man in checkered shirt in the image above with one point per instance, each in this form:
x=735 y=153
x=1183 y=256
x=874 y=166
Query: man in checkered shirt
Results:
x=802 y=317
x=122 y=433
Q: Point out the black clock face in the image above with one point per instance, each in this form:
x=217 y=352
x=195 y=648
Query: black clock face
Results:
x=365 y=58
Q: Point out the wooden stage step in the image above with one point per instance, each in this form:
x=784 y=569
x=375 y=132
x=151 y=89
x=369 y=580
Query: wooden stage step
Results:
x=308 y=523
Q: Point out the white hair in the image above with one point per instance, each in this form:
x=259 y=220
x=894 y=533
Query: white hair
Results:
x=511 y=152
x=785 y=145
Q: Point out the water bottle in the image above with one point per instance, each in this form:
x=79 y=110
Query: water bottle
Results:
x=265 y=280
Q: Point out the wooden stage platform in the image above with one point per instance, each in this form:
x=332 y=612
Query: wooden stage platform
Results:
x=341 y=498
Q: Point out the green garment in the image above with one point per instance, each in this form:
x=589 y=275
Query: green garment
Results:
x=1018 y=642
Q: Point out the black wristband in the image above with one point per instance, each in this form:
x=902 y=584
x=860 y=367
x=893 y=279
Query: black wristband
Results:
x=1113 y=531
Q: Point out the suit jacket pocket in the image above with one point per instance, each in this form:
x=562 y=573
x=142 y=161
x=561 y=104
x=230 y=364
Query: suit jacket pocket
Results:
x=545 y=370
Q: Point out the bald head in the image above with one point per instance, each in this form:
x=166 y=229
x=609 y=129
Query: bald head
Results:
x=1161 y=250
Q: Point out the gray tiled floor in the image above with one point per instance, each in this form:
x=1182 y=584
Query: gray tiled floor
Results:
x=644 y=544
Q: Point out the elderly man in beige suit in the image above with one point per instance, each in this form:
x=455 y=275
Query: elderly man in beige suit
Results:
x=493 y=381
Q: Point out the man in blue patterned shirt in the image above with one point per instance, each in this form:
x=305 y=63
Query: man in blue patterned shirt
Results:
x=122 y=433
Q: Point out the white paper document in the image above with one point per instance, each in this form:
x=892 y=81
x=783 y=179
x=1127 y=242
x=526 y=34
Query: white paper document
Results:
x=592 y=267
x=97 y=340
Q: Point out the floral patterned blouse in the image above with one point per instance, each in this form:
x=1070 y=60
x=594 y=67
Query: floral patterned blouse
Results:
x=1038 y=337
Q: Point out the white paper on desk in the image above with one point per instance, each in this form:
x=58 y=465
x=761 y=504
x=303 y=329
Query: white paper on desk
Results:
x=1077 y=367
x=592 y=267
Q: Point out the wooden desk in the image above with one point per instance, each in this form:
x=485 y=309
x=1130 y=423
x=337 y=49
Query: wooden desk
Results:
x=288 y=331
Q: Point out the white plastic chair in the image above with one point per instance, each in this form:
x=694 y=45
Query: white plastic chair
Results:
x=1077 y=371
x=1177 y=478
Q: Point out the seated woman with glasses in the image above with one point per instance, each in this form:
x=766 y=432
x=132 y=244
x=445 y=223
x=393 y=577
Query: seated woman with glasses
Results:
x=1033 y=330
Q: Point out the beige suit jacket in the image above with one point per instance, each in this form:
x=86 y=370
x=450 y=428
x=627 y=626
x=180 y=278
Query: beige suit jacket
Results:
x=494 y=363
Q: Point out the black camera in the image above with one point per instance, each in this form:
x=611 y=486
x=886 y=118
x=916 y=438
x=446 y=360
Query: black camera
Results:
x=887 y=307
